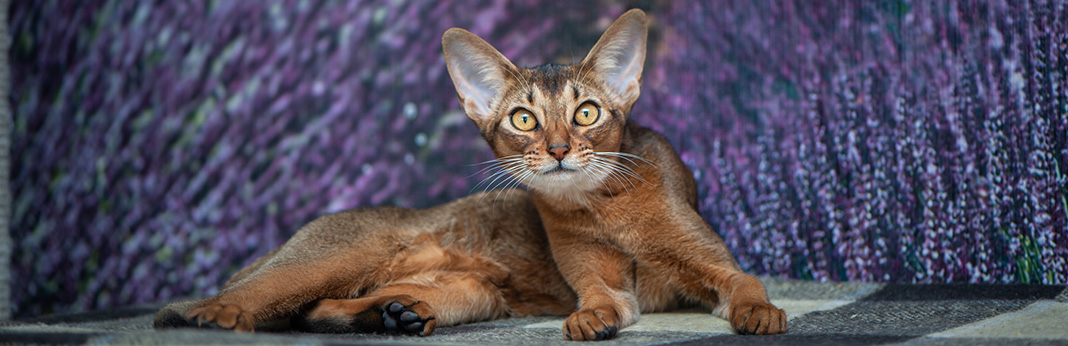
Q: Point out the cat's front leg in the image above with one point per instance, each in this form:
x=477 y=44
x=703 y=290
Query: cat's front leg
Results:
x=708 y=273
x=603 y=277
x=749 y=310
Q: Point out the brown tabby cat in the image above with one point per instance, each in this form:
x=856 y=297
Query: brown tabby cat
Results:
x=617 y=203
x=617 y=213
x=395 y=270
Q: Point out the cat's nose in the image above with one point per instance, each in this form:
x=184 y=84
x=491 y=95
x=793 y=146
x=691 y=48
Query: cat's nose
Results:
x=558 y=151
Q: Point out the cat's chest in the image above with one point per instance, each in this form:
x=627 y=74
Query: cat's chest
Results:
x=621 y=228
x=616 y=219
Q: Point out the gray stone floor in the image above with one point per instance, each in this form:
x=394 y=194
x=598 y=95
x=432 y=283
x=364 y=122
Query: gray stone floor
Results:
x=820 y=314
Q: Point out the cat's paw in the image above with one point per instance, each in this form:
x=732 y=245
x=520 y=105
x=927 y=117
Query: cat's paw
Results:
x=224 y=316
x=759 y=318
x=591 y=324
x=405 y=315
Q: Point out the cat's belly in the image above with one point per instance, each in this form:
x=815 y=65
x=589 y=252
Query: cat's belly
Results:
x=656 y=291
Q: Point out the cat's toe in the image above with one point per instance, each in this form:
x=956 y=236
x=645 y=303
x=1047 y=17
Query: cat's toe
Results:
x=220 y=316
x=593 y=324
x=760 y=319
x=407 y=316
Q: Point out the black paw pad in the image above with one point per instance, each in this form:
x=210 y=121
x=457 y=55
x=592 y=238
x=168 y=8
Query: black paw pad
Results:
x=607 y=333
x=400 y=319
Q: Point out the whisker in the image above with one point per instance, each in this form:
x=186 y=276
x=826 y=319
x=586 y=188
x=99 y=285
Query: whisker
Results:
x=492 y=186
x=588 y=69
x=526 y=84
x=603 y=184
x=492 y=180
x=622 y=168
x=499 y=159
x=501 y=166
x=610 y=173
x=502 y=182
x=509 y=187
x=622 y=177
x=497 y=165
x=619 y=167
x=627 y=157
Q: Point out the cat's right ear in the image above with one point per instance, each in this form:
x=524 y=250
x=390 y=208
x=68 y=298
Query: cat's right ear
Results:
x=478 y=70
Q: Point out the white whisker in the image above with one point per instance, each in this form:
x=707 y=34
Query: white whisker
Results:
x=623 y=169
x=506 y=167
x=498 y=182
x=627 y=157
x=592 y=181
x=515 y=183
x=499 y=159
x=505 y=170
x=610 y=173
x=496 y=165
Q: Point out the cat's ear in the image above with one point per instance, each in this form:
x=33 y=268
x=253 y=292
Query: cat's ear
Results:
x=478 y=70
x=618 y=56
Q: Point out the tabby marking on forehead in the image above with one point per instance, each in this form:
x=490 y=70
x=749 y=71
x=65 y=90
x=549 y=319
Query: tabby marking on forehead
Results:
x=551 y=78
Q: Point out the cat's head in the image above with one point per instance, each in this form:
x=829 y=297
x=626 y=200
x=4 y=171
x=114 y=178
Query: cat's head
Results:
x=555 y=128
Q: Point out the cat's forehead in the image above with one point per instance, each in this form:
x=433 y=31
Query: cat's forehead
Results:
x=551 y=79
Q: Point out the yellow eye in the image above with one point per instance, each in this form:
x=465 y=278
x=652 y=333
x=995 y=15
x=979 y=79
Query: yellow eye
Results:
x=587 y=114
x=523 y=120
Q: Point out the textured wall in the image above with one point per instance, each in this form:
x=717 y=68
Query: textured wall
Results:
x=159 y=147
x=5 y=167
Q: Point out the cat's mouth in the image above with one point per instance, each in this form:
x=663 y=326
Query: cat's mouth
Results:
x=559 y=169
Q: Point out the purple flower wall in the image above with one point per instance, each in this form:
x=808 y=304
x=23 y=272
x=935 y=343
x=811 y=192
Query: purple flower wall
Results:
x=159 y=147
x=875 y=141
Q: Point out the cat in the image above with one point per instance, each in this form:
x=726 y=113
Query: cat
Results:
x=394 y=270
x=610 y=228
x=618 y=205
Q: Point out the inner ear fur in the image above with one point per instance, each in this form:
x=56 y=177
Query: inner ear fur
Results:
x=618 y=56
x=479 y=72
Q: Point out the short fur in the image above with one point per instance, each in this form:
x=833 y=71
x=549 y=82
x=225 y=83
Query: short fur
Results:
x=610 y=225
x=395 y=270
x=618 y=205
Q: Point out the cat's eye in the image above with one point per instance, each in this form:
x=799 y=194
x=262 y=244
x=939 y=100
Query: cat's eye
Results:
x=523 y=120
x=587 y=114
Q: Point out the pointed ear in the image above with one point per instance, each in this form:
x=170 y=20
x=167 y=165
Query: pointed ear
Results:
x=618 y=56
x=478 y=71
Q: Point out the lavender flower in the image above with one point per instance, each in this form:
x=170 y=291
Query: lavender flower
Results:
x=157 y=148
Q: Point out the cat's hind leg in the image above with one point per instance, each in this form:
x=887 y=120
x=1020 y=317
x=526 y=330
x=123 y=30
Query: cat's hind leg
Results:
x=385 y=313
x=415 y=305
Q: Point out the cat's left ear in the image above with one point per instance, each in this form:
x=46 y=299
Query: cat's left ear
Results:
x=618 y=56
x=478 y=71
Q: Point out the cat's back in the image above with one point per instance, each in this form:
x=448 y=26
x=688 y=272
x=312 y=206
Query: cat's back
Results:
x=504 y=206
x=492 y=218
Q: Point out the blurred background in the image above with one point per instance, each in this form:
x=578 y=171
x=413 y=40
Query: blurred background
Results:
x=157 y=147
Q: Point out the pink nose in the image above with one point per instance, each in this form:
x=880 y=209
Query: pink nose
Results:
x=558 y=151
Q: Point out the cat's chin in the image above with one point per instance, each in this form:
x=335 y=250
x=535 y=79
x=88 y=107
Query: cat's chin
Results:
x=566 y=184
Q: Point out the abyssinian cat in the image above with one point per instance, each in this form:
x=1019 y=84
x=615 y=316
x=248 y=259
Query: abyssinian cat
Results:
x=609 y=227
x=618 y=205
x=395 y=270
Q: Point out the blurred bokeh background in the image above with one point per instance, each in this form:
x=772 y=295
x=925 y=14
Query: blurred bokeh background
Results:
x=159 y=146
